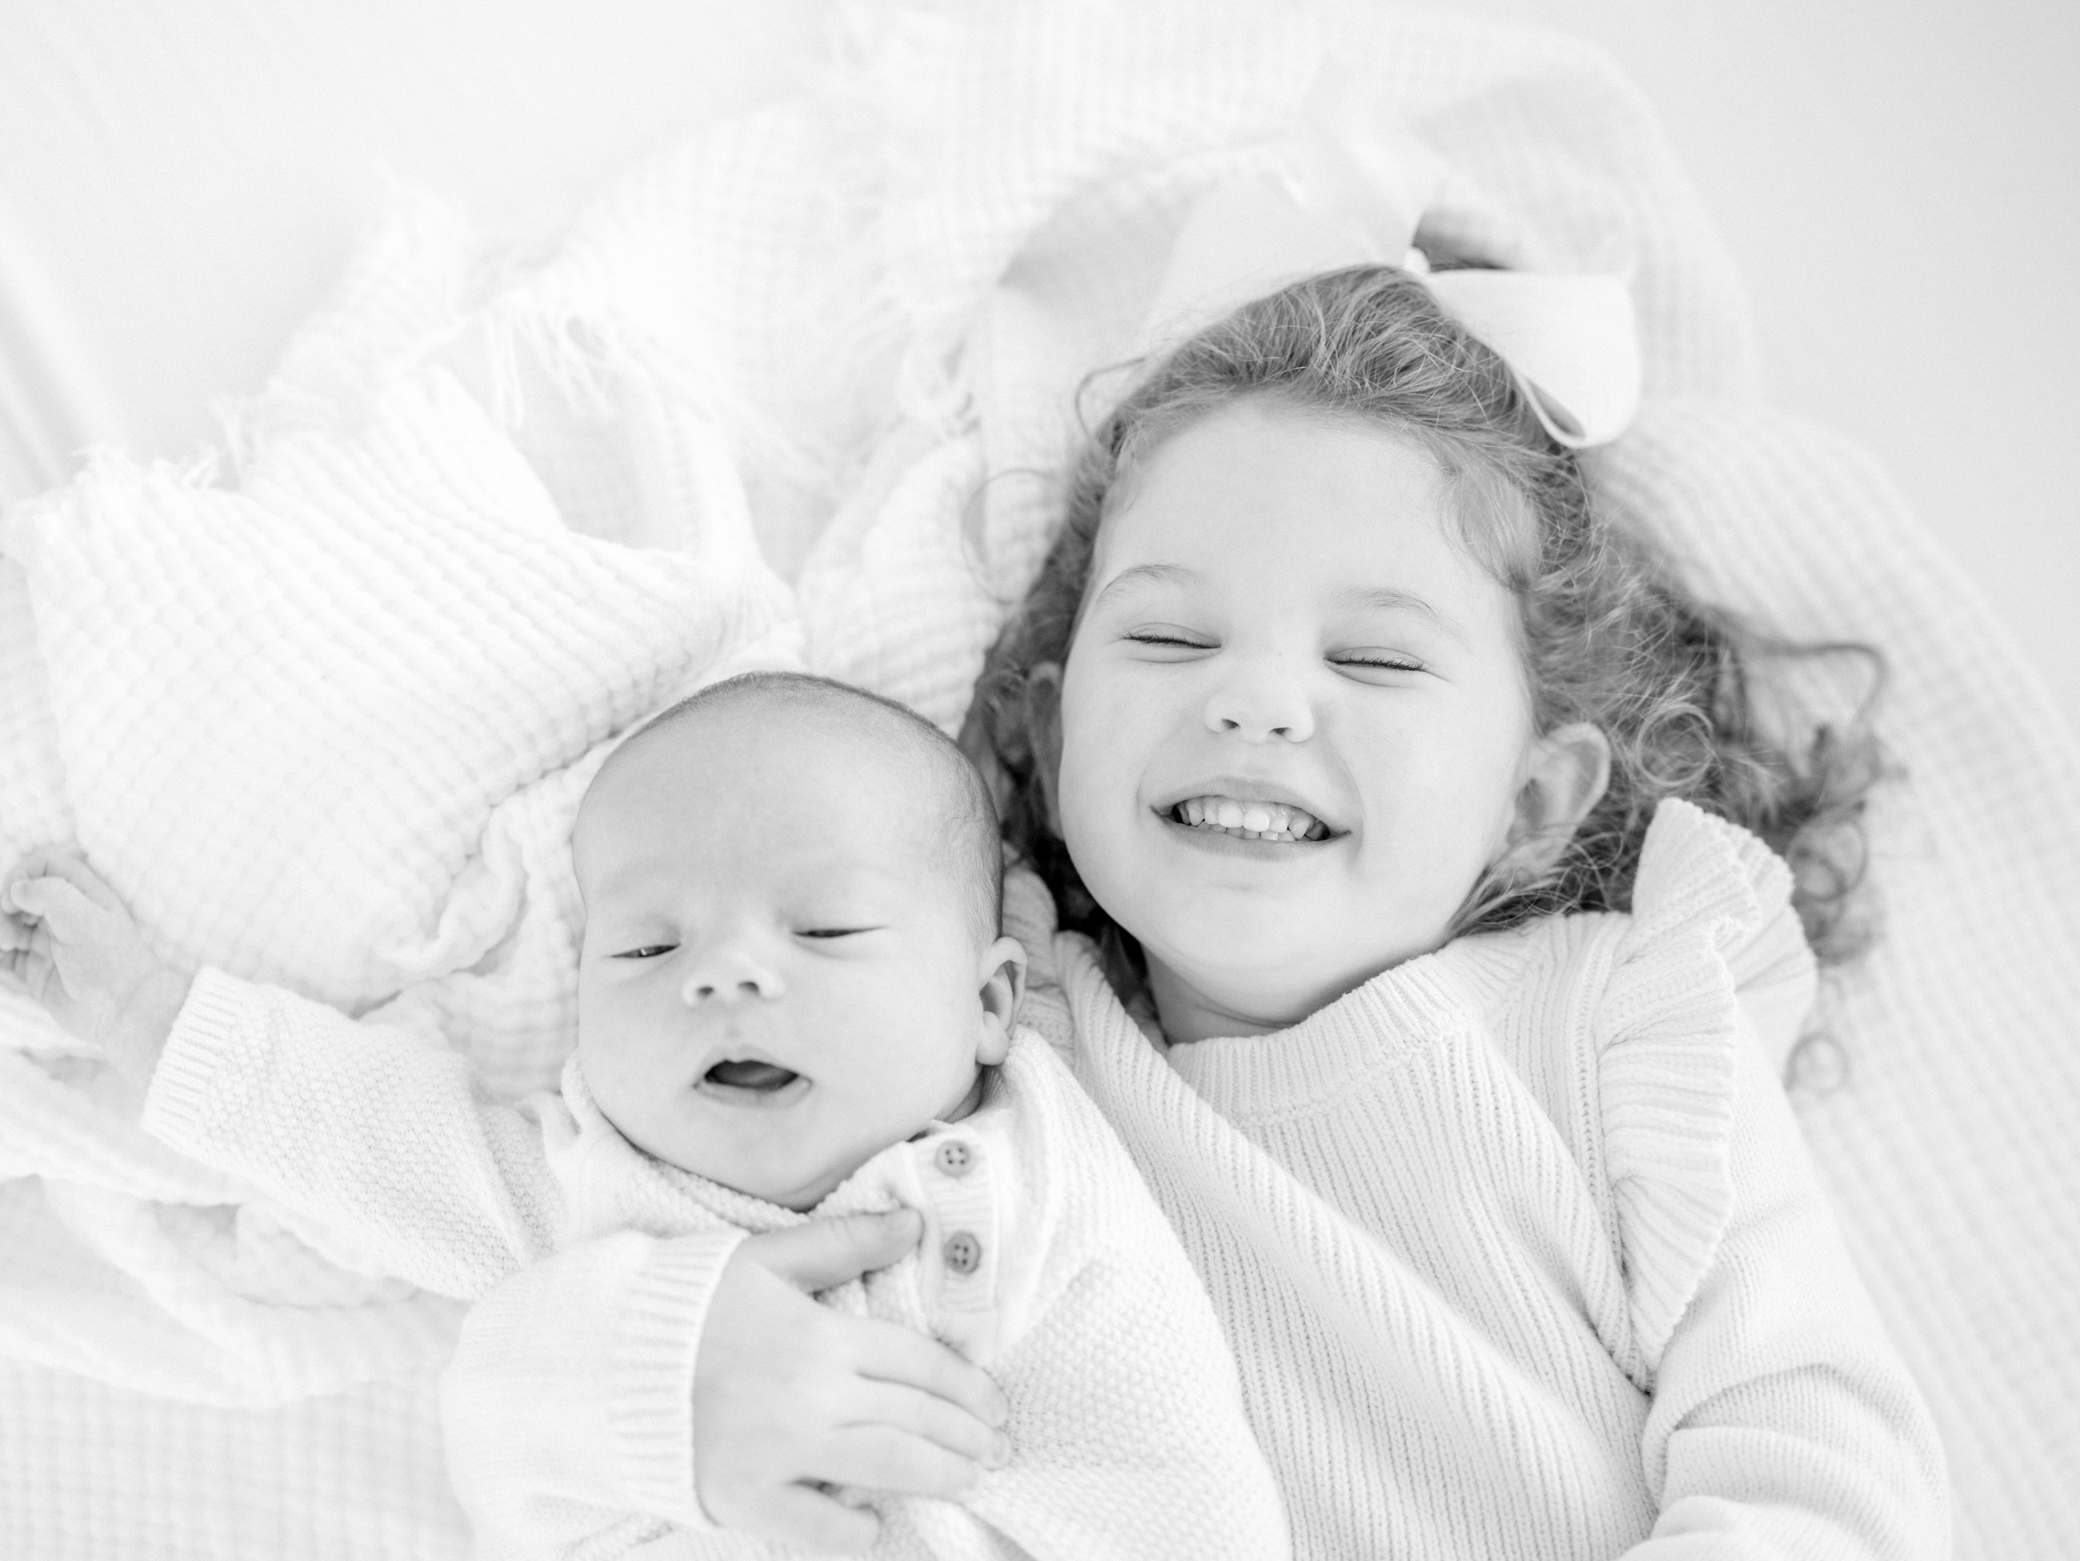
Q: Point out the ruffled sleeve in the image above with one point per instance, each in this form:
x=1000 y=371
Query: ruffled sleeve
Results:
x=1712 y=952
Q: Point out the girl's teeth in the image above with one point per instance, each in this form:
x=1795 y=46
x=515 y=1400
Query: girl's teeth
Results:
x=1252 y=820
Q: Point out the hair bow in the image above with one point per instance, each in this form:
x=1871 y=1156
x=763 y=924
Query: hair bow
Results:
x=1342 y=198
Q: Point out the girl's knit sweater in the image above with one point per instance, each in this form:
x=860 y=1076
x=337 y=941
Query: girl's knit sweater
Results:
x=1518 y=1245
x=568 y=1407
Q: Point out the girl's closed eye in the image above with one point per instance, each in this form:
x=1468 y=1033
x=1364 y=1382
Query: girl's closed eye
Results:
x=834 y=932
x=1370 y=660
x=1165 y=637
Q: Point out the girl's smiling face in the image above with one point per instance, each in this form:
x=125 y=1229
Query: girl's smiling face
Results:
x=1294 y=720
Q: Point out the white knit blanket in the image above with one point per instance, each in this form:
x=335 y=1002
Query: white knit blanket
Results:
x=323 y=722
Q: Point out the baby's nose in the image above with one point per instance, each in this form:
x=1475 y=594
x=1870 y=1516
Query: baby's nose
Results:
x=745 y=981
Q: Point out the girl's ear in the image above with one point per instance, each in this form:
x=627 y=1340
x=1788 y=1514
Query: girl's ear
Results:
x=1044 y=724
x=1568 y=772
x=1003 y=975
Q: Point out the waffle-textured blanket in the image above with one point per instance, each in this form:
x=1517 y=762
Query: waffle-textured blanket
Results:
x=797 y=390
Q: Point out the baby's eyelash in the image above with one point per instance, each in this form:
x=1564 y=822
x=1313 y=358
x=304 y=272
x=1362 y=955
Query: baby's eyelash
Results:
x=647 y=951
x=833 y=932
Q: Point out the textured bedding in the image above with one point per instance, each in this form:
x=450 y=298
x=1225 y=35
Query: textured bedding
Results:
x=793 y=393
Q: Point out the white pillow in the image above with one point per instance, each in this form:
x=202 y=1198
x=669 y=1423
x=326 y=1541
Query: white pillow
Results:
x=317 y=730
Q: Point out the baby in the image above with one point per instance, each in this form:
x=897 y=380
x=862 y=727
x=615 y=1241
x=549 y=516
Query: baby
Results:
x=792 y=996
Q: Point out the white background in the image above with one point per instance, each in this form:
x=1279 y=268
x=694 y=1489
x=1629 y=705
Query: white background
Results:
x=180 y=180
x=1901 y=186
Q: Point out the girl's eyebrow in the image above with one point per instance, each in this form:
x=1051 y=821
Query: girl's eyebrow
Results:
x=1378 y=598
x=1385 y=598
x=1146 y=574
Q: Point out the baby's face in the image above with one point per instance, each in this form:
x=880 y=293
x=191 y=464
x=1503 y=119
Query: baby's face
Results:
x=781 y=975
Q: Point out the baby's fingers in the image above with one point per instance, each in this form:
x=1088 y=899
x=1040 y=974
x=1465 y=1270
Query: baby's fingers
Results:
x=67 y=868
x=936 y=1421
x=879 y=1458
x=30 y=963
x=811 y=1519
x=889 y=1352
x=55 y=903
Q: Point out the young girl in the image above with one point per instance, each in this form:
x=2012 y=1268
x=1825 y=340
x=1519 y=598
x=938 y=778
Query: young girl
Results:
x=1400 y=808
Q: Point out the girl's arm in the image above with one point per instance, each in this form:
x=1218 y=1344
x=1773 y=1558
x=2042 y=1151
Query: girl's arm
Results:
x=381 y=1134
x=1784 y=1423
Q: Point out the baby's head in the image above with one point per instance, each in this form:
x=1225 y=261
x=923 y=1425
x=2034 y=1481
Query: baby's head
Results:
x=1333 y=659
x=791 y=957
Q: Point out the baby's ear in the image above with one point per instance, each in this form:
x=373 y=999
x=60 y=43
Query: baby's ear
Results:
x=1003 y=976
x=1569 y=769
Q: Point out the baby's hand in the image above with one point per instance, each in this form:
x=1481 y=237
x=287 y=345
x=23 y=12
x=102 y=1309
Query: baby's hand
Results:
x=789 y=1395
x=67 y=938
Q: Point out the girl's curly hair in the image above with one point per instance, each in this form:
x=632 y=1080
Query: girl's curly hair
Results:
x=1610 y=634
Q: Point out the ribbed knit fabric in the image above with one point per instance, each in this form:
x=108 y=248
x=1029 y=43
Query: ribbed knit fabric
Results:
x=635 y=1438
x=568 y=1406
x=1518 y=1246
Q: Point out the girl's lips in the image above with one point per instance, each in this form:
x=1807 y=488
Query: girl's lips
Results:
x=1247 y=802
x=1219 y=842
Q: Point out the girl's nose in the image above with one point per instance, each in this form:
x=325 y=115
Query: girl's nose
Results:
x=732 y=975
x=1260 y=700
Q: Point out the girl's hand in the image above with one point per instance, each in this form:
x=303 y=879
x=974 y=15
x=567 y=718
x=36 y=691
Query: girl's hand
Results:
x=789 y=1396
x=66 y=936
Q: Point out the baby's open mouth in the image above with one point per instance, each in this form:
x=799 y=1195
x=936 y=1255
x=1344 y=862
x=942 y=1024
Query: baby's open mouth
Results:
x=1249 y=820
x=763 y=1078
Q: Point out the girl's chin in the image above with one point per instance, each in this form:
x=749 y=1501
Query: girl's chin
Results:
x=1261 y=988
x=1258 y=941
x=1249 y=998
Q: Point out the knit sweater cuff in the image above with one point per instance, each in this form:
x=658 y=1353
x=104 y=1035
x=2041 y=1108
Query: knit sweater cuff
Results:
x=177 y=1099
x=657 y=1339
